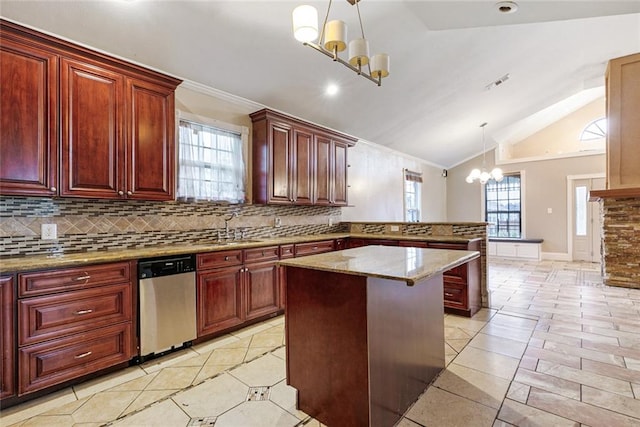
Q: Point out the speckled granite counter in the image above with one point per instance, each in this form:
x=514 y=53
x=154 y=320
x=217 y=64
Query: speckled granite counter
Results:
x=396 y=263
x=26 y=263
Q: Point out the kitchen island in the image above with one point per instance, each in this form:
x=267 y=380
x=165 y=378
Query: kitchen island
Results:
x=365 y=330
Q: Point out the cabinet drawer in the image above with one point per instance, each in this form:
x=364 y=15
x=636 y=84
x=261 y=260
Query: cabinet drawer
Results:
x=69 y=279
x=413 y=244
x=443 y=245
x=286 y=251
x=459 y=272
x=314 y=247
x=268 y=253
x=455 y=296
x=43 y=318
x=219 y=259
x=56 y=361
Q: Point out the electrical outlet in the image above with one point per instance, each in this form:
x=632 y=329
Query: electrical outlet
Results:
x=277 y=222
x=49 y=231
x=330 y=221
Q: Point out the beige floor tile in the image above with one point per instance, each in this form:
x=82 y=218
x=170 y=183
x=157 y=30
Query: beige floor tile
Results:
x=477 y=386
x=514 y=333
x=611 y=371
x=155 y=365
x=267 y=339
x=563 y=339
x=484 y=314
x=499 y=423
x=38 y=406
x=105 y=406
x=258 y=413
x=276 y=321
x=173 y=378
x=626 y=405
x=465 y=323
x=526 y=416
x=251 y=330
x=598 y=356
x=226 y=356
x=549 y=383
x=458 y=344
x=440 y=408
x=198 y=359
x=137 y=384
x=552 y=356
x=106 y=382
x=255 y=352
x=239 y=343
x=505 y=346
x=286 y=397
x=488 y=362
x=513 y=321
x=452 y=332
x=281 y=353
x=584 y=335
x=405 y=422
x=213 y=397
x=518 y=392
x=265 y=371
x=587 y=378
x=66 y=409
x=210 y=371
x=146 y=398
x=578 y=411
x=49 y=421
x=209 y=346
x=164 y=413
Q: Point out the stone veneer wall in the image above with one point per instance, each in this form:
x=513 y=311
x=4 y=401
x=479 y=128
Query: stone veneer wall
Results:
x=94 y=225
x=621 y=241
x=461 y=229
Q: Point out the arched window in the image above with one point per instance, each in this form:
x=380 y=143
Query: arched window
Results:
x=595 y=130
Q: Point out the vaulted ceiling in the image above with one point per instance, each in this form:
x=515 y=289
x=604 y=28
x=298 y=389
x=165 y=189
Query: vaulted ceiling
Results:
x=443 y=55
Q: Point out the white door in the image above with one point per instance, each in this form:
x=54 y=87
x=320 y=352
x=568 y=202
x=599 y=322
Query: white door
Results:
x=587 y=228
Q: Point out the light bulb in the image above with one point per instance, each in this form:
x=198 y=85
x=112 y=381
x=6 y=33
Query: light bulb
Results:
x=475 y=173
x=469 y=179
x=484 y=177
x=305 y=23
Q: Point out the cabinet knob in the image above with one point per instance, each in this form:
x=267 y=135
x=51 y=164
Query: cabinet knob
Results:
x=53 y=189
x=226 y=258
x=120 y=193
x=129 y=193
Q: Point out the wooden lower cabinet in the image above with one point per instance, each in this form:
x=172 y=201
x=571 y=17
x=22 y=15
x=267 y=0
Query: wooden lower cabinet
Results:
x=74 y=322
x=312 y=248
x=229 y=296
x=7 y=341
x=220 y=302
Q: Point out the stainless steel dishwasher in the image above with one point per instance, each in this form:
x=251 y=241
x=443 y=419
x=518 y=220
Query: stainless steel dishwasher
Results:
x=167 y=296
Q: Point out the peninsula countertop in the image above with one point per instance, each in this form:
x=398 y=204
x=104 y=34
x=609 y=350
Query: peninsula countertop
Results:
x=387 y=262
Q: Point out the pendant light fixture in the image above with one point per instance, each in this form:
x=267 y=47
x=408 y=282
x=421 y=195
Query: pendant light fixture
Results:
x=333 y=40
x=482 y=175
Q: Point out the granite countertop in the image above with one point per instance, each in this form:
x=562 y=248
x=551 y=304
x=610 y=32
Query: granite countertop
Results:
x=387 y=262
x=36 y=262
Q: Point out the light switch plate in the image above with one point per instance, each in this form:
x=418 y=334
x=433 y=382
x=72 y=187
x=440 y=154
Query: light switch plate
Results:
x=49 y=231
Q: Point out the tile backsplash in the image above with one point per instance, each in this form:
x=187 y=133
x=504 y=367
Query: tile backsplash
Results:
x=92 y=225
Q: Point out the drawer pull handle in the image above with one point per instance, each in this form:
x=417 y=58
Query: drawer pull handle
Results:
x=85 y=277
x=315 y=248
x=447 y=294
x=80 y=312
x=226 y=258
x=80 y=356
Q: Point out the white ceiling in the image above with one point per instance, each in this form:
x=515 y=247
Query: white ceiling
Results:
x=443 y=54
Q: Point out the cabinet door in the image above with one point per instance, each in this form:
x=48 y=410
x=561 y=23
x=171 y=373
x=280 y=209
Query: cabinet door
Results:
x=302 y=167
x=219 y=298
x=7 y=342
x=91 y=109
x=28 y=120
x=323 y=176
x=340 y=166
x=151 y=141
x=261 y=289
x=280 y=173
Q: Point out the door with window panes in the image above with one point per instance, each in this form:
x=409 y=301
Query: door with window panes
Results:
x=586 y=220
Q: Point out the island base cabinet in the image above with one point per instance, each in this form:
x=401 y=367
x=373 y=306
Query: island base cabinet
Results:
x=361 y=350
x=56 y=361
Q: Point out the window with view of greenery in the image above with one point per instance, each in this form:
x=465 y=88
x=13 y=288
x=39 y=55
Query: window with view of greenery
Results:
x=503 y=207
x=412 y=187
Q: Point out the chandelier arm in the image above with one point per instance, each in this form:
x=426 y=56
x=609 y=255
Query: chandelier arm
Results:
x=343 y=62
x=326 y=17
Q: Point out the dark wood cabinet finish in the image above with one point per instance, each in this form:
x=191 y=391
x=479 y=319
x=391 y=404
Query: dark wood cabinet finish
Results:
x=115 y=131
x=220 y=300
x=92 y=125
x=312 y=248
x=286 y=251
x=53 y=362
x=7 y=341
x=296 y=162
x=28 y=118
x=261 y=289
x=74 y=322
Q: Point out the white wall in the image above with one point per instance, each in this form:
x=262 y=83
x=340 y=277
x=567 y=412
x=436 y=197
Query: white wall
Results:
x=376 y=179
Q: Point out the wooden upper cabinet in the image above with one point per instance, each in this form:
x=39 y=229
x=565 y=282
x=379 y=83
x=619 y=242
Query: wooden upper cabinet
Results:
x=623 y=135
x=295 y=162
x=92 y=126
x=115 y=131
x=28 y=119
x=151 y=141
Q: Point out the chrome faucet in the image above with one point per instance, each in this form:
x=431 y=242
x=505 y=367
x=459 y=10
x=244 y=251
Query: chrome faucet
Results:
x=226 y=223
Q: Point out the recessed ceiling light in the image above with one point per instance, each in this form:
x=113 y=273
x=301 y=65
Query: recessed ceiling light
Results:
x=332 y=89
x=506 y=7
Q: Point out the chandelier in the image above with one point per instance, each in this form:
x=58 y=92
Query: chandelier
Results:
x=482 y=175
x=333 y=40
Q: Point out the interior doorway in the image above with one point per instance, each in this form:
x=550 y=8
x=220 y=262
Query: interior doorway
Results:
x=586 y=227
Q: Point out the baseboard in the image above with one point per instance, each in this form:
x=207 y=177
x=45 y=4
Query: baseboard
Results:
x=556 y=256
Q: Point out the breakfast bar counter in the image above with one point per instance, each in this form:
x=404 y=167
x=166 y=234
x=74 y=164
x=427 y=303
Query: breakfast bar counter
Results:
x=365 y=330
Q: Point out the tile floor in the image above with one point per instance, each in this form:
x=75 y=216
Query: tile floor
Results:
x=556 y=348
